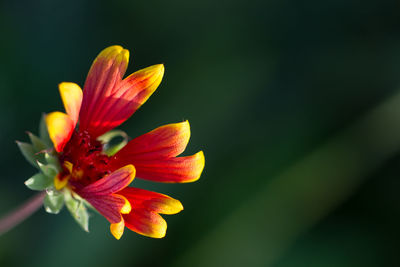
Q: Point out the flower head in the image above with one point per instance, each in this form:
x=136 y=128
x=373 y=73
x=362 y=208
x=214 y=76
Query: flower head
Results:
x=87 y=170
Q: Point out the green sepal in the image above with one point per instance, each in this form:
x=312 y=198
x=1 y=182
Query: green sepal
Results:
x=53 y=202
x=39 y=182
x=49 y=170
x=28 y=151
x=106 y=139
x=43 y=133
x=37 y=143
x=78 y=210
x=52 y=160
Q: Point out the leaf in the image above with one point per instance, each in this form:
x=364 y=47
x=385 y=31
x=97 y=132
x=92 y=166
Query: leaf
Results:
x=78 y=211
x=53 y=203
x=43 y=133
x=39 y=182
x=28 y=151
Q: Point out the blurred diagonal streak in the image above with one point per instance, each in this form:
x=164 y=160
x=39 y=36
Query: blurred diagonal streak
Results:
x=260 y=230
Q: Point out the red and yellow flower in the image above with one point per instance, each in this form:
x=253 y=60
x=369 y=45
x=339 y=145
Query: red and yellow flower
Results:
x=102 y=180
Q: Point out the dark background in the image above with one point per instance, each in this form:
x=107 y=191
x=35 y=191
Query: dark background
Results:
x=280 y=95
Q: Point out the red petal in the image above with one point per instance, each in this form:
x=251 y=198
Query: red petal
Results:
x=164 y=142
x=126 y=99
x=109 y=206
x=152 y=201
x=105 y=74
x=172 y=170
x=107 y=100
x=111 y=183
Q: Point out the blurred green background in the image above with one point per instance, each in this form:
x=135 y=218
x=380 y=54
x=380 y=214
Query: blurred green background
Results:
x=295 y=104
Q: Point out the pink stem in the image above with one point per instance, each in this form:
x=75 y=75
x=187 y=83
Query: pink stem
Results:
x=18 y=215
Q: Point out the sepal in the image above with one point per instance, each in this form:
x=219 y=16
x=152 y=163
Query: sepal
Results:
x=52 y=160
x=77 y=209
x=37 y=143
x=53 y=202
x=39 y=182
x=48 y=169
x=43 y=132
x=40 y=148
x=29 y=153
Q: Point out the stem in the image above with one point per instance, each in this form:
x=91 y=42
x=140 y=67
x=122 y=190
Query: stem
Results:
x=21 y=213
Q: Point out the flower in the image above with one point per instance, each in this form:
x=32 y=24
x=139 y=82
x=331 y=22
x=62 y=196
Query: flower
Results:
x=88 y=173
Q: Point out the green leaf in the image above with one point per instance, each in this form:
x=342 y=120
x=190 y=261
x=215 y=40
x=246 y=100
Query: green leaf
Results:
x=43 y=133
x=37 y=142
x=53 y=202
x=39 y=182
x=28 y=151
x=48 y=170
x=78 y=210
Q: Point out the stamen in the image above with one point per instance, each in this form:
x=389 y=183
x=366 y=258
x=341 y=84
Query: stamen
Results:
x=84 y=160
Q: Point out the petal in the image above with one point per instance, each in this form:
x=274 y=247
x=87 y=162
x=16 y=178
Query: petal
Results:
x=164 y=142
x=117 y=229
x=71 y=95
x=111 y=183
x=125 y=99
x=172 y=170
x=105 y=74
x=151 y=201
x=60 y=128
x=146 y=223
x=110 y=206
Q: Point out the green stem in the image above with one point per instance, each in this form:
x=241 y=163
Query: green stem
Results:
x=21 y=213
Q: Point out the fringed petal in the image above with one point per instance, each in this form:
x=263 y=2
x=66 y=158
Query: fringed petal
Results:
x=60 y=128
x=151 y=201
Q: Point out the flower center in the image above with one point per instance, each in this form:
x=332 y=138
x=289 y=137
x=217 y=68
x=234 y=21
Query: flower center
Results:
x=83 y=161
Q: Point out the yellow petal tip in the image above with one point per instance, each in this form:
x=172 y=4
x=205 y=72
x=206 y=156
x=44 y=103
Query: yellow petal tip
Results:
x=160 y=230
x=117 y=229
x=71 y=96
x=199 y=163
x=60 y=128
x=126 y=209
x=116 y=51
x=175 y=207
x=131 y=169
